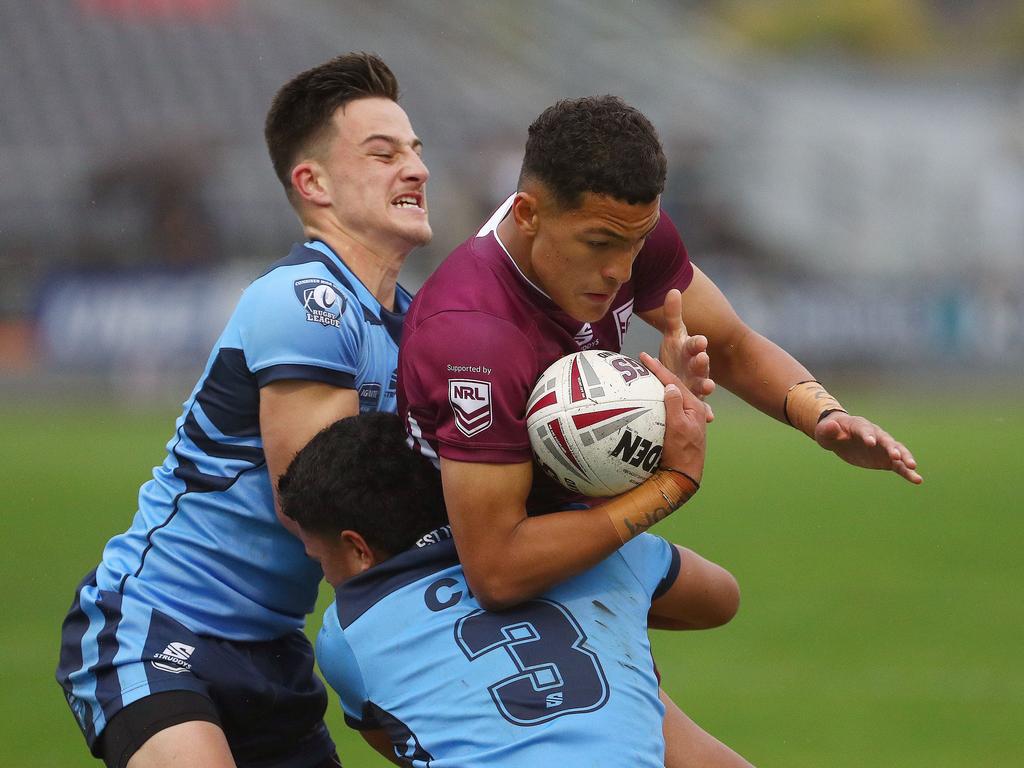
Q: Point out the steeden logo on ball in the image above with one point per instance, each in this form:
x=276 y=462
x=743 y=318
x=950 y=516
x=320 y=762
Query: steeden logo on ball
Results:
x=596 y=421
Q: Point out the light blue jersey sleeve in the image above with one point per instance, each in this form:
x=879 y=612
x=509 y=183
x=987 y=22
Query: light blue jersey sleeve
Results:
x=297 y=322
x=341 y=670
x=654 y=561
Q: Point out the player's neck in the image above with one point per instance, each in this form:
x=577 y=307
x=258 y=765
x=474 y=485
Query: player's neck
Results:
x=517 y=245
x=375 y=264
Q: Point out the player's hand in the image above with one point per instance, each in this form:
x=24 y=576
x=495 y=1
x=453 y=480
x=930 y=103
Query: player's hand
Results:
x=686 y=422
x=685 y=355
x=857 y=441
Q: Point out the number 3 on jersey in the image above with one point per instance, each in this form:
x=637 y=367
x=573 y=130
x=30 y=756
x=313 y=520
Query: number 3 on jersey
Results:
x=555 y=675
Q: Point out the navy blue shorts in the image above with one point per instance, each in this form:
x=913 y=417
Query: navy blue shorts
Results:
x=116 y=651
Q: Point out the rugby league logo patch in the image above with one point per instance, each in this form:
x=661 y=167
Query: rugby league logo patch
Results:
x=321 y=300
x=471 y=403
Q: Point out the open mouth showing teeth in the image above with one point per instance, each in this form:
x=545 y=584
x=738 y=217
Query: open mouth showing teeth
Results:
x=407 y=201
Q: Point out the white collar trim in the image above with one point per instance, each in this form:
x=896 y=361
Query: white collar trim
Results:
x=491 y=227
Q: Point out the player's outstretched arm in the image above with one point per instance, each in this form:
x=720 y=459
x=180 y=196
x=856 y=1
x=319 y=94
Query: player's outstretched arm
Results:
x=773 y=381
x=291 y=413
x=509 y=557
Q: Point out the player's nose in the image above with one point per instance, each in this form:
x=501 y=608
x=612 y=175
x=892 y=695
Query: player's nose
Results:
x=619 y=267
x=414 y=169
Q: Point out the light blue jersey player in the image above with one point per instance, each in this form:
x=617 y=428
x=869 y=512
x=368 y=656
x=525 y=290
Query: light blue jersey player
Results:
x=554 y=681
x=433 y=680
x=185 y=645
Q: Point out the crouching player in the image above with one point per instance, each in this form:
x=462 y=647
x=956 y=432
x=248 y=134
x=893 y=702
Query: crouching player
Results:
x=431 y=678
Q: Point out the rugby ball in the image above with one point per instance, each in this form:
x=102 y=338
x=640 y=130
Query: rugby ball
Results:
x=597 y=422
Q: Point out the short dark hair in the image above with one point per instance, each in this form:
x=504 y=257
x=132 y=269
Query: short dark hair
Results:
x=359 y=474
x=303 y=107
x=595 y=144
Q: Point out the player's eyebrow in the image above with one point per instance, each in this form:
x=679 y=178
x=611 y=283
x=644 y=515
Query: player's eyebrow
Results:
x=604 y=232
x=616 y=236
x=396 y=143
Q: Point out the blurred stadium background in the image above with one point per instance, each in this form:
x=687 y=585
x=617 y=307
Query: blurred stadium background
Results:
x=851 y=173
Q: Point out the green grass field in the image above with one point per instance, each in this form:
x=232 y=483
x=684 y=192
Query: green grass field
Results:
x=882 y=625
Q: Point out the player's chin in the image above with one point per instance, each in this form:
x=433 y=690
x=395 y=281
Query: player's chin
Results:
x=590 y=308
x=418 y=235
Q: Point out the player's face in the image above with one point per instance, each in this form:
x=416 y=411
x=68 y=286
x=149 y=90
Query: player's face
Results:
x=581 y=257
x=377 y=175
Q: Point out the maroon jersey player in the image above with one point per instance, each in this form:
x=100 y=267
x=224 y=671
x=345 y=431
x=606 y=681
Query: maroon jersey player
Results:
x=555 y=270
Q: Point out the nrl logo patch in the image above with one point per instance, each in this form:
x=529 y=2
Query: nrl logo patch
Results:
x=322 y=301
x=471 y=403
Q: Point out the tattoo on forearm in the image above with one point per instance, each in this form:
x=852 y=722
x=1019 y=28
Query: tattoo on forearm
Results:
x=645 y=521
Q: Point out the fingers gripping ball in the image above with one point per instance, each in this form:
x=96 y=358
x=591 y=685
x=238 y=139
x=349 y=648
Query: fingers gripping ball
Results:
x=597 y=422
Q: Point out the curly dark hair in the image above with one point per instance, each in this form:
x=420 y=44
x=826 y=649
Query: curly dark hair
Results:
x=303 y=107
x=596 y=144
x=359 y=474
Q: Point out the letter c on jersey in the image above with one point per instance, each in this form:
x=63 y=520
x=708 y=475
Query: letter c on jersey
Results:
x=433 y=596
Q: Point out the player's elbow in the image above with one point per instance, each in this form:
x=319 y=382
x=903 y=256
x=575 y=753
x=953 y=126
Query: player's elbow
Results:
x=496 y=597
x=495 y=590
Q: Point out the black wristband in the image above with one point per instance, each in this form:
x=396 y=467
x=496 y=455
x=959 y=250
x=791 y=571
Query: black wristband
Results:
x=680 y=472
x=827 y=411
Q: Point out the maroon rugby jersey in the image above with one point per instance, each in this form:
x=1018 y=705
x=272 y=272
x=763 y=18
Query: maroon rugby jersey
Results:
x=479 y=334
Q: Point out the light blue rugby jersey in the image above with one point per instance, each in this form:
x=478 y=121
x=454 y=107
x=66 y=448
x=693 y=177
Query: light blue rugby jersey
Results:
x=205 y=546
x=563 y=680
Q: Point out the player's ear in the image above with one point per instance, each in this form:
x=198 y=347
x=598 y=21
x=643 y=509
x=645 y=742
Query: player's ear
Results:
x=524 y=213
x=310 y=183
x=359 y=554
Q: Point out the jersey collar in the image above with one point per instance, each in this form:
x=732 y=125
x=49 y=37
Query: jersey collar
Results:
x=360 y=593
x=490 y=227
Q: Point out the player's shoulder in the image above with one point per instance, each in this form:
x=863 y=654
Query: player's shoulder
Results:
x=302 y=270
x=664 y=241
x=471 y=289
x=461 y=281
x=304 y=285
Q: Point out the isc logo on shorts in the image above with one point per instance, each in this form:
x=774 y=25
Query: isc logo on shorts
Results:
x=471 y=402
x=174 y=658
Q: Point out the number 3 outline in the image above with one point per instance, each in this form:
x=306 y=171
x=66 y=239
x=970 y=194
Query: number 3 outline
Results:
x=526 y=633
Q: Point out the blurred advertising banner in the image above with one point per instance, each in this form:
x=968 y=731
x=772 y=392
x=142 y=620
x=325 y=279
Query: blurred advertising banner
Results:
x=135 y=327
x=132 y=320
x=896 y=324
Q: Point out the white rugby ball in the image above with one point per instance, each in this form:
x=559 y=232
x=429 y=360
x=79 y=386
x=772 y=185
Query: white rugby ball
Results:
x=597 y=422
